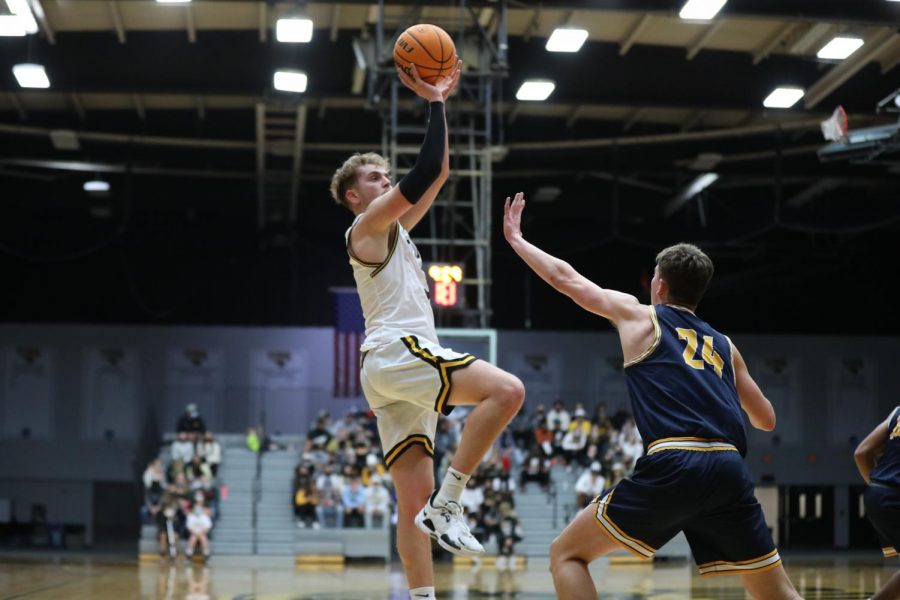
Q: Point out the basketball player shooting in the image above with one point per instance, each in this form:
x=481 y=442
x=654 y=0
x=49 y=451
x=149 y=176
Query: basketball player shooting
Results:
x=688 y=384
x=407 y=377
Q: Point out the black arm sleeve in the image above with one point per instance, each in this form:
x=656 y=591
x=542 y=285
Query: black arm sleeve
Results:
x=431 y=157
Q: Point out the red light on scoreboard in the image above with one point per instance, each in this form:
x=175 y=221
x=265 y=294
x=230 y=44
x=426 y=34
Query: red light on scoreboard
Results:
x=446 y=284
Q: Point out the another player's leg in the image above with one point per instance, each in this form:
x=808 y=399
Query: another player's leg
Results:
x=772 y=585
x=413 y=477
x=891 y=589
x=497 y=397
x=570 y=554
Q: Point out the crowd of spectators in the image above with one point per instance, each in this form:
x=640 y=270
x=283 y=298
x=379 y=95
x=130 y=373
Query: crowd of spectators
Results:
x=182 y=497
x=340 y=480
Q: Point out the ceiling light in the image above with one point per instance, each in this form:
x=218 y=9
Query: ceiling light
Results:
x=30 y=75
x=21 y=10
x=535 y=89
x=700 y=183
x=290 y=81
x=294 y=30
x=564 y=39
x=783 y=97
x=701 y=10
x=96 y=186
x=64 y=139
x=840 y=48
x=11 y=26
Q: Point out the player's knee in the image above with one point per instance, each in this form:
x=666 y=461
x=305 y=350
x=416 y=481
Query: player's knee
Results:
x=512 y=394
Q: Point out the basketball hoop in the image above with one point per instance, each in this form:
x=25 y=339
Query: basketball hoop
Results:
x=836 y=127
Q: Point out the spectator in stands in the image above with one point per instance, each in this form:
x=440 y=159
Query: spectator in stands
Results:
x=196 y=470
x=580 y=420
x=543 y=438
x=472 y=497
x=353 y=500
x=306 y=498
x=254 y=444
x=191 y=422
x=521 y=429
x=198 y=525
x=509 y=532
x=378 y=503
x=590 y=485
x=182 y=453
x=153 y=497
x=573 y=445
x=347 y=425
x=330 y=487
x=559 y=413
x=537 y=469
x=558 y=434
x=539 y=418
x=169 y=523
x=318 y=437
x=504 y=485
x=631 y=444
x=207 y=486
x=211 y=452
x=154 y=473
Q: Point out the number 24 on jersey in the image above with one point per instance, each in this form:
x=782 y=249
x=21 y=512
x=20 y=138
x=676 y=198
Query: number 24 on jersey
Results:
x=709 y=356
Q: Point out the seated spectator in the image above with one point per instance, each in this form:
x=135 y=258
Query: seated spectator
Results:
x=378 y=503
x=558 y=434
x=196 y=470
x=539 y=417
x=330 y=488
x=198 y=525
x=580 y=420
x=543 y=437
x=631 y=445
x=182 y=452
x=558 y=413
x=154 y=474
x=354 y=502
x=153 y=498
x=537 y=469
x=521 y=429
x=211 y=452
x=318 y=437
x=590 y=485
x=472 y=497
x=509 y=533
x=504 y=485
x=306 y=498
x=573 y=445
x=207 y=486
x=169 y=523
x=191 y=423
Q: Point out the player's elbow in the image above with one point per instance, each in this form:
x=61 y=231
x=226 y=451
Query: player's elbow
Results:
x=765 y=421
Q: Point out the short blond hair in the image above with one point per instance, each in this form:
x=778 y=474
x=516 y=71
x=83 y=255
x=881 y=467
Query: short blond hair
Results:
x=344 y=178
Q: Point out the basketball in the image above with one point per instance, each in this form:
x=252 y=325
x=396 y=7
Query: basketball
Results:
x=428 y=47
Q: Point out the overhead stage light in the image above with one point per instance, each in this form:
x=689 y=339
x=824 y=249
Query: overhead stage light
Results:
x=565 y=39
x=294 y=30
x=290 y=81
x=783 y=97
x=30 y=75
x=535 y=90
x=701 y=10
x=11 y=26
x=840 y=48
x=96 y=186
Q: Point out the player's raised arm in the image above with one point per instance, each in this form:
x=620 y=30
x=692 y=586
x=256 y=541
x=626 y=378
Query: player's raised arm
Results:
x=615 y=306
x=428 y=172
x=871 y=448
x=412 y=216
x=753 y=401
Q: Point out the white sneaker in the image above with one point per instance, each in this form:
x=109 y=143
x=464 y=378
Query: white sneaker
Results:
x=446 y=525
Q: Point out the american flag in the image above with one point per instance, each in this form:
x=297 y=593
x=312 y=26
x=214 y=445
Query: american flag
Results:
x=349 y=331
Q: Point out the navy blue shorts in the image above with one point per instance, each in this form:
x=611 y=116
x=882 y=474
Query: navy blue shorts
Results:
x=707 y=494
x=883 y=510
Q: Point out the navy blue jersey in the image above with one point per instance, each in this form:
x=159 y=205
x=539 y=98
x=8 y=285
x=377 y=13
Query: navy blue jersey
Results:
x=887 y=468
x=683 y=385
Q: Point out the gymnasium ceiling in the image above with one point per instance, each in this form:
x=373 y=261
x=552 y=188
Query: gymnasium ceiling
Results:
x=171 y=94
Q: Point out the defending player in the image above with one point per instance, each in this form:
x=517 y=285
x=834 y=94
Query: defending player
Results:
x=878 y=460
x=407 y=377
x=688 y=384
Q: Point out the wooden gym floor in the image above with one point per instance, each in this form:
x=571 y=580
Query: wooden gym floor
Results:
x=827 y=577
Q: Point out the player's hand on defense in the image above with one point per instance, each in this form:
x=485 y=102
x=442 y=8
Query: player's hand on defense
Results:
x=512 y=217
x=436 y=92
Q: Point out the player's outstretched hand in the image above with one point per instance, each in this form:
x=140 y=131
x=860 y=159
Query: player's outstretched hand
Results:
x=512 y=217
x=436 y=92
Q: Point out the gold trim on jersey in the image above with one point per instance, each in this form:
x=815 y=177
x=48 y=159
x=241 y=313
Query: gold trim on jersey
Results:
x=760 y=564
x=392 y=245
x=415 y=439
x=634 y=545
x=657 y=333
x=444 y=367
x=693 y=444
x=731 y=349
x=682 y=308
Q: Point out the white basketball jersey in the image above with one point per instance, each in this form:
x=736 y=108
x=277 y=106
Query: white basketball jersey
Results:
x=394 y=294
